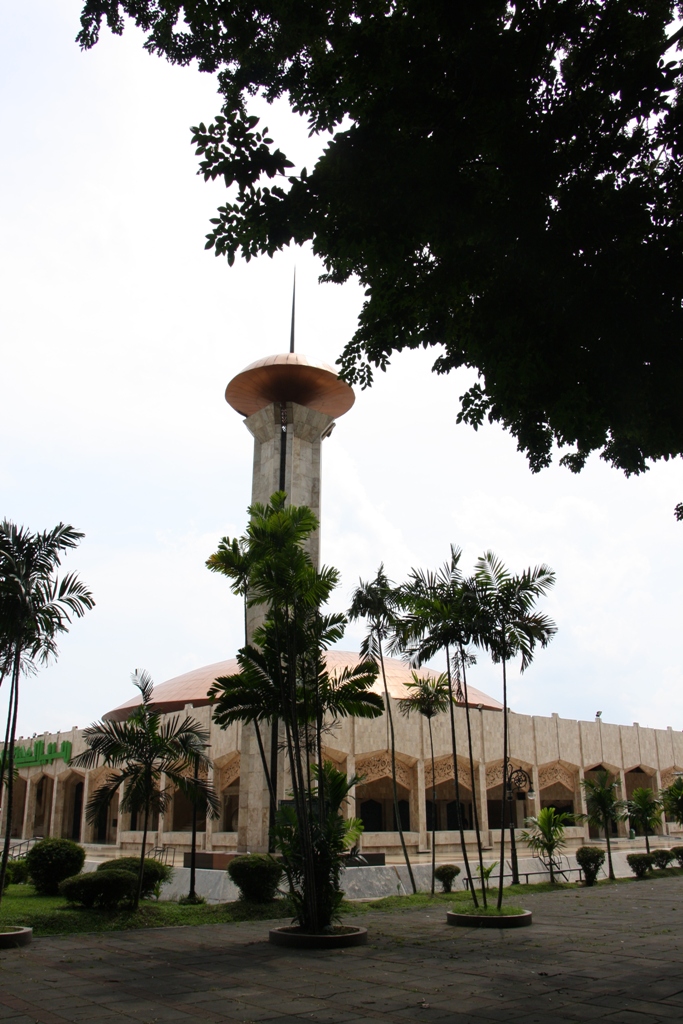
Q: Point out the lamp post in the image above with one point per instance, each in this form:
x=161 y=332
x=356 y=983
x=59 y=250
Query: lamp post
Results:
x=517 y=781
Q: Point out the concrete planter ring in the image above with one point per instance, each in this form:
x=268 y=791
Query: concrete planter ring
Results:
x=10 y=938
x=493 y=921
x=338 y=938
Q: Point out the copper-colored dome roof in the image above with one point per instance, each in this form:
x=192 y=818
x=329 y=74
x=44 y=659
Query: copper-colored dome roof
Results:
x=192 y=687
x=290 y=377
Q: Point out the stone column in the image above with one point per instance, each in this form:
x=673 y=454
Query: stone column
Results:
x=252 y=830
x=482 y=796
x=622 y=826
x=30 y=807
x=421 y=801
x=210 y=822
x=56 y=811
x=535 y=805
x=85 y=828
x=350 y=810
x=657 y=787
x=304 y=430
x=164 y=826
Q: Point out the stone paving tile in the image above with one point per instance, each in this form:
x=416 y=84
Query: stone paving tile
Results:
x=571 y=966
x=332 y=1016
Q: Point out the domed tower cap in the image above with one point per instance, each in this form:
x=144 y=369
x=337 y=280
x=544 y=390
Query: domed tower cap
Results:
x=290 y=377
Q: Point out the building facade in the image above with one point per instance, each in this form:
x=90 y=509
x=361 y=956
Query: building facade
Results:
x=557 y=754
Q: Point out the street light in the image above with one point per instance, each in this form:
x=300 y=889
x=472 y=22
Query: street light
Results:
x=517 y=781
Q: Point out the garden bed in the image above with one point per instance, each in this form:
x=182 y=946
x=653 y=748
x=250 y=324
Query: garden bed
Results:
x=507 y=917
x=338 y=937
x=11 y=937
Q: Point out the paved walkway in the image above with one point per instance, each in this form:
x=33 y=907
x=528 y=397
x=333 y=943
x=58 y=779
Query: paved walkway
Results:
x=592 y=955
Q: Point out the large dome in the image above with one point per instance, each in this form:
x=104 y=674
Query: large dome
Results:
x=192 y=687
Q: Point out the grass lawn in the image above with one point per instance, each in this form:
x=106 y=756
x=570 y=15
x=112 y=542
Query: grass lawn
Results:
x=52 y=915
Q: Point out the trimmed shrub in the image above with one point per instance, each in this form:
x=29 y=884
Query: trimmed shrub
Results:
x=640 y=863
x=257 y=877
x=447 y=874
x=590 y=859
x=50 y=861
x=17 y=872
x=678 y=854
x=662 y=858
x=106 y=889
x=154 y=872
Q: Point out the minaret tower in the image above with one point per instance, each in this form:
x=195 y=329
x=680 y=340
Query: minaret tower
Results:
x=290 y=404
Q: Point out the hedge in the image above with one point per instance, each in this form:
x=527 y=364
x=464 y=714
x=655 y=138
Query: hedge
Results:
x=447 y=874
x=257 y=877
x=154 y=872
x=50 y=861
x=590 y=859
x=106 y=889
x=640 y=863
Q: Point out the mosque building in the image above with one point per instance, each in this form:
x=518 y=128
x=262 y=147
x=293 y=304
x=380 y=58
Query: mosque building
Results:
x=291 y=405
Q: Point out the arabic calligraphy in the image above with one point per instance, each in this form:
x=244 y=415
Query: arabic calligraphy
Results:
x=25 y=757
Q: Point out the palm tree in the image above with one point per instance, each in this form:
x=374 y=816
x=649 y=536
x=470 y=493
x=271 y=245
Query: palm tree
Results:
x=603 y=807
x=429 y=698
x=141 y=750
x=35 y=607
x=672 y=800
x=508 y=626
x=283 y=674
x=377 y=601
x=333 y=835
x=645 y=810
x=545 y=834
x=438 y=619
x=252 y=695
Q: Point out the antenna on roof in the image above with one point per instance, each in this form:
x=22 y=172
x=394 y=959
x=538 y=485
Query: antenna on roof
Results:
x=291 y=333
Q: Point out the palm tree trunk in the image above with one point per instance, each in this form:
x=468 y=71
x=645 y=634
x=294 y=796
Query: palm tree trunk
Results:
x=475 y=811
x=141 y=869
x=456 y=780
x=301 y=795
x=431 y=750
x=319 y=739
x=505 y=775
x=647 y=840
x=287 y=683
x=8 y=728
x=399 y=826
x=271 y=778
x=609 y=851
x=12 y=713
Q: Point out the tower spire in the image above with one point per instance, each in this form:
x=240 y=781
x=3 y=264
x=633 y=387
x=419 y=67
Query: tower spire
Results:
x=291 y=333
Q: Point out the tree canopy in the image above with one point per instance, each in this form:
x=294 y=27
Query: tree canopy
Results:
x=502 y=176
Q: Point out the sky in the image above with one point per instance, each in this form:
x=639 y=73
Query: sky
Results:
x=119 y=333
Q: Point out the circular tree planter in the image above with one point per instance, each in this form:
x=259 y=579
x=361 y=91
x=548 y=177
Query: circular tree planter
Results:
x=489 y=920
x=12 y=937
x=338 y=938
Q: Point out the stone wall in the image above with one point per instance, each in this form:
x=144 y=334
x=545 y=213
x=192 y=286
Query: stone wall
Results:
x=556 y=753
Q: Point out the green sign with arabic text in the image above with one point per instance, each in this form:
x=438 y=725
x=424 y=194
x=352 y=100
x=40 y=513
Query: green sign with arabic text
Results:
x=25 y=757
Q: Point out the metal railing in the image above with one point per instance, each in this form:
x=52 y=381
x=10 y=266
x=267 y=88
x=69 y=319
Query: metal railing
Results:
x=164 y=854
x=19 y=850
x=558 y=870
